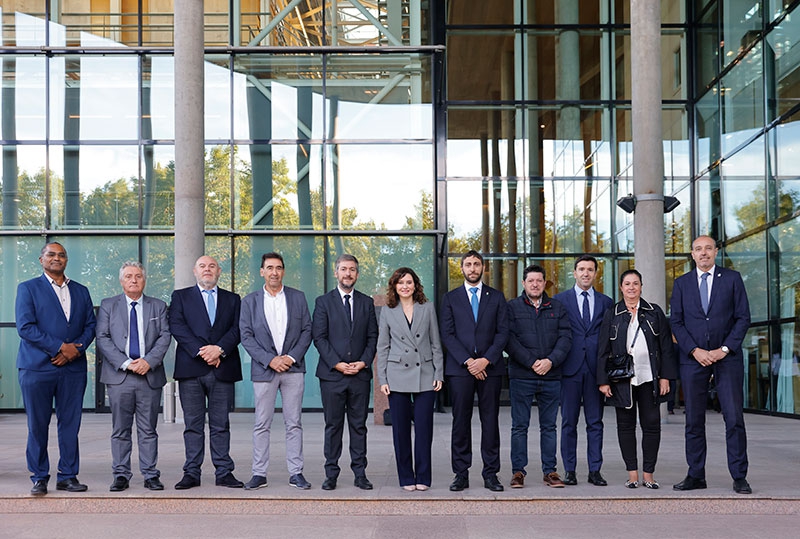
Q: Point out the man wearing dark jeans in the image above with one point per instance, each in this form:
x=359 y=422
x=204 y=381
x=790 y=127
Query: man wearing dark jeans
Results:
x=204 y=319
x=538 y=343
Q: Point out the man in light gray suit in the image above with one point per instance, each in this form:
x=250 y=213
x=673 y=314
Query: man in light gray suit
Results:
x=275 y=328
x=133 y=336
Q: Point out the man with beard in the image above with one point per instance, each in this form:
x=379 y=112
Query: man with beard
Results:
x=474 y=330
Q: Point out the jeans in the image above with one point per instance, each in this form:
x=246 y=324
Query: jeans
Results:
x=548 y=395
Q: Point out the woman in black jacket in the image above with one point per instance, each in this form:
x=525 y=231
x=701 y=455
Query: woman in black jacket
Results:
x=640 y=329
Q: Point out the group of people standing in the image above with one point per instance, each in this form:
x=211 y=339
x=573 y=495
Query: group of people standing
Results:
x=557 y=349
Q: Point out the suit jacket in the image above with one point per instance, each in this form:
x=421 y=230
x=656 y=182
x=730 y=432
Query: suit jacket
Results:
x=336 y=341
x=192 y=329
x=463 y=338
x=728 y=317
x=43 y=328
x=584 y=340
x=409 y=358
x=257 y=336
x=113 y=324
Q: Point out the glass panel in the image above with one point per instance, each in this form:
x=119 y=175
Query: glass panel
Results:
x=218 y=187
x=379 y=97
x=708 y=49
x=351 y=23
x=708 y=129
x=94 y=98
x=158 y=23
x=19 y=261
x=10 y=393
x=278 y=187
x=158 y=97
x=99 y=187
x=783 y=53
x=675 y=133
x=158 y=171
x=359 y=197
x=23 y=187
x=678 y=222
x=217 y=114
x=741 y=26
x=277 y=97
x=673 y=64
x=785 y=168
x=497 y=12
x=748 y=257
x=671 y=12
x=158 y=256
x=786 y=371
x=744 y=201
x=742 y=101
x=776 y=8
x=22 y=101
x=707 y=204
x=97 y=24
x=22 y=23
x=756 y=369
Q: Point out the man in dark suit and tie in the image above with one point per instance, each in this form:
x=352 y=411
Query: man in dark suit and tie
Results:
x=585 y=307
x=204 y=319
x=710 y=316
x=133 y=337
x=276 y=331
x=55 y=322
x=345 y=332
x=474 y=330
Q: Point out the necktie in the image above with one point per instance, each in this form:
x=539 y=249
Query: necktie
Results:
x=587 y=315
x=133 y=334
x=348 y=308
x=474 y=302
x=211 y=306
x=704 y=291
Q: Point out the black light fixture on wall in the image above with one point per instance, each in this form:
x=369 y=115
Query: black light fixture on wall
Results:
x=628 y=203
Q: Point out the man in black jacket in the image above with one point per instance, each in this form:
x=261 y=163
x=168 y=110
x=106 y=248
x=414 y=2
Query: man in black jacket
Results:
x=538 y=344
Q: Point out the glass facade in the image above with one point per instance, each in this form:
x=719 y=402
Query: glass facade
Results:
x=404 y=132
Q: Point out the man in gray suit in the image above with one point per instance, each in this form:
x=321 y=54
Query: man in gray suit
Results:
x=275 y=328
x=133 y=336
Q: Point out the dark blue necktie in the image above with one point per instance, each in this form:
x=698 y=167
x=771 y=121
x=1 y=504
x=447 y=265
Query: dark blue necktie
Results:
x=474 y=302
x=587 y=315
x=133 y=334
x=349 y=310
x=704 y=291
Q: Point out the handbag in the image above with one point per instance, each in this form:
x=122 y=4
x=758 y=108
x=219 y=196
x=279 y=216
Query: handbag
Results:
x=619 y=367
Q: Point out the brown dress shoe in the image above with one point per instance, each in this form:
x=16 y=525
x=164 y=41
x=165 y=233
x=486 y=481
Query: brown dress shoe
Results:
x=553 y=480
x=518 y=480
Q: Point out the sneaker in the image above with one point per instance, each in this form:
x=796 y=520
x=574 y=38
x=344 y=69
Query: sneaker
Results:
x=257 y=481
x=298 y=481
x=518 y=480
x=553 y=480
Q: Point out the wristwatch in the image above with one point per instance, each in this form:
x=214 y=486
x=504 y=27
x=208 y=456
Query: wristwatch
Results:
x=725 y=349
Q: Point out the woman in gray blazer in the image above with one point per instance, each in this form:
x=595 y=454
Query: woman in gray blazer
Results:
x=410 y=371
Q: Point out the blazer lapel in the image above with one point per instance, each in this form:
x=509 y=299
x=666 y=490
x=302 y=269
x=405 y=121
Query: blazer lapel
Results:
x=262 y=317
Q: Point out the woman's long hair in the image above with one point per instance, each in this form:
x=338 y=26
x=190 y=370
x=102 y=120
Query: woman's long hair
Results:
x=392 y=298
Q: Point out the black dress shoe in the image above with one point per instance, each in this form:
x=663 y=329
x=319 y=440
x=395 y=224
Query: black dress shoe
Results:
x=460 y=482
x=71 y=485
x=329 y=483
x=493 y=484
x=690 y=483
x=362 y=482
x=39 y=487
x=570 y=478
x=228 y=480
x=120 y=483
x=596 y=479
x=154 y=483
x=187 y=482
x=741 y=486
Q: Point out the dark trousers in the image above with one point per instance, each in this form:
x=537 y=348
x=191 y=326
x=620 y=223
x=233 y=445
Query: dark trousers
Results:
x=349 y=398
x=729 y=377
x=576 y=391
x=462 y=392
x=201 y=396
x=39 y=391
x=405 y=408
x=547 y=394
x=134 y=398
x=649 y=419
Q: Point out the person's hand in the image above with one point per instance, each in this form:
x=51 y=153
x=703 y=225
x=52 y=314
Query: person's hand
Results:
x=437 y=385
x=716 y=355
x=139 y=366
x=60 y=360
x=385 y=389
x=477 y=365
x=211 y=354
x=542 y=366
x=605 y=389
x=663 y=386
x=70 y=351
x=703 y=357
x=281 y=363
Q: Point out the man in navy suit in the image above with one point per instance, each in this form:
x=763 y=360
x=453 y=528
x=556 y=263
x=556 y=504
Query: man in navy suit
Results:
x=276 y=331
x=55 y=321
x=133 y=336
x=710 y=318
x=204 y=319
x=474 y=330
x=585 y=307
x=345 y=332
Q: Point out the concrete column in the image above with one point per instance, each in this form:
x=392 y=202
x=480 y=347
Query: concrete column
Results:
x=648 y=155
x=189 y=136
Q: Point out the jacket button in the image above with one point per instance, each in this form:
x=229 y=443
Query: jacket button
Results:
x=406 y=364
x=417 y=364
x=416 y=350
x=417 y=335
